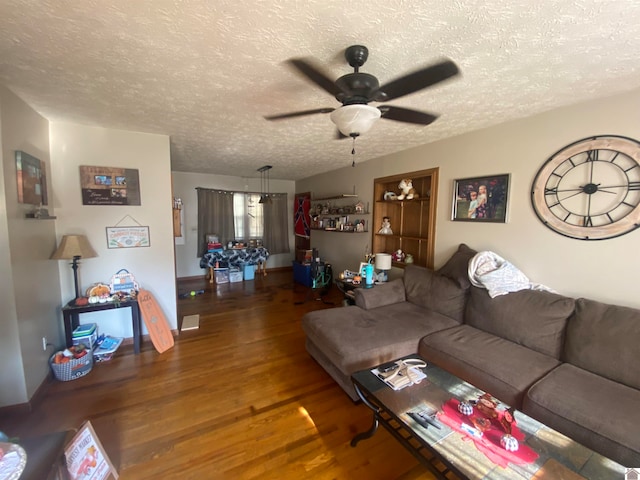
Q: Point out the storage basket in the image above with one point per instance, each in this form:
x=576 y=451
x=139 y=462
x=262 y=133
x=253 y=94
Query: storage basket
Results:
x=74 y=368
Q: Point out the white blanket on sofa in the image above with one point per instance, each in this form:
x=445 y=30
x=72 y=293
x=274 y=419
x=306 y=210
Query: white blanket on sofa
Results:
x=489 y=270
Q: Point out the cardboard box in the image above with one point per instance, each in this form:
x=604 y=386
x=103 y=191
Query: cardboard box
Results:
x=304 y=256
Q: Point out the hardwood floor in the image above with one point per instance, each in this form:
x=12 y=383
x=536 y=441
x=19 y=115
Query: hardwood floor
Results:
x=238 y=398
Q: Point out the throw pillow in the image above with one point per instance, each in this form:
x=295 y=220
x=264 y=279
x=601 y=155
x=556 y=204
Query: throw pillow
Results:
x=431 y=290
x=457 y=267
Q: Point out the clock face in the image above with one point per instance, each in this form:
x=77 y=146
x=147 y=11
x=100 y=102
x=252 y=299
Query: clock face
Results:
x=590 y=190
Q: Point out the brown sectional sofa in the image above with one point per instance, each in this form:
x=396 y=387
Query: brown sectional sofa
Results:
x=571 y=364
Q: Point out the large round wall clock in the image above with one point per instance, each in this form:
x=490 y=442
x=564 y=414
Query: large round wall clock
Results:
x=590 y=190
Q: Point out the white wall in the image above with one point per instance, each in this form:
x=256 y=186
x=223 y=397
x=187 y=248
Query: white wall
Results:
x=30 y=290
x=153 y=267
x=184 y=186
x=603 y=270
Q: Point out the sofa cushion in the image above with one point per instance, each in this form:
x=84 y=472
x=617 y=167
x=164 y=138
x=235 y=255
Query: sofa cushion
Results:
x=353 y=339
x=382 y=294
x=457 y=267
x=535 y=319
x=604 y=339
x=426 y=288
x=594 y=411
x=493 y=364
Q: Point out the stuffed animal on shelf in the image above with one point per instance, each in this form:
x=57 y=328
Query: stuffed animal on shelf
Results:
x=398 y=256
x=388 y=195
x=407 y=190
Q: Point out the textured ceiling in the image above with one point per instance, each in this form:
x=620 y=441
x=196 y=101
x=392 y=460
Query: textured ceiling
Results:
x=206 y=72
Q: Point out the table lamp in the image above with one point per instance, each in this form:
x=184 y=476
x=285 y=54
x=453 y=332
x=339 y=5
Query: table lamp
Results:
x=74 y=247
x=382 y=263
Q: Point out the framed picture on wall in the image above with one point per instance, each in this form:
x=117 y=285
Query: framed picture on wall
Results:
x=481 y=199
x=109 y=186
x=32 y=179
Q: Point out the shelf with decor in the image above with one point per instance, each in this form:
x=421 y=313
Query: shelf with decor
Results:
x=411 y=221
x=345 y=204
x=339 y=214
x=340 y=223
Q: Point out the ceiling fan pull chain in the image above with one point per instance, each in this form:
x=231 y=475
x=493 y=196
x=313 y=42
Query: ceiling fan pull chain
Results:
x=353 y=151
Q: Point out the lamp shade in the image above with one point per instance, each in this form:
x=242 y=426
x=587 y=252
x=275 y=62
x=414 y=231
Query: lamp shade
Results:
x=383 y=261
x=74 y=246
x=354 y=120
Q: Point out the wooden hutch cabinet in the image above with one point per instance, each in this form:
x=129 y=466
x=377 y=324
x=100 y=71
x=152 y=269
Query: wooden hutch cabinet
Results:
x=413 y=222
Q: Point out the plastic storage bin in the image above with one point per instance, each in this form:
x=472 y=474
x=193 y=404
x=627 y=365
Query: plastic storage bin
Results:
x=249 y=271
x=302 y=274
x=86 y=334
x=235 y=275
x=221 y=275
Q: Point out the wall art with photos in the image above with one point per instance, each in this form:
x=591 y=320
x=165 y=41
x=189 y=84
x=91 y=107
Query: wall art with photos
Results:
x=109 y=186
x=481 y=199
x=32 y=179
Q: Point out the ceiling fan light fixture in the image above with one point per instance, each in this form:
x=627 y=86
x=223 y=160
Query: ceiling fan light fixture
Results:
x=354 y=120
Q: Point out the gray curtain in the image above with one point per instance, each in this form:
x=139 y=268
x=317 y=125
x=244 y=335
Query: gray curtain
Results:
x=276 y=224
x=215 y=216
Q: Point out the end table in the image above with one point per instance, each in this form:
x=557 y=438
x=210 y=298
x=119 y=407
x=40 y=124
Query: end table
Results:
x=71 y=314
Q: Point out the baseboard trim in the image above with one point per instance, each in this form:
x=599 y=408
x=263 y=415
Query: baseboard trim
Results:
x=34 y=401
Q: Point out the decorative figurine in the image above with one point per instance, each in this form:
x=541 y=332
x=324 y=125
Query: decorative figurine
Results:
x=398 y=256
x=509 y=443
x=388 y=195
x=406 y=187
x=386 y=227
x=408 y=258
x=487 y=405
x=465 y=408
x=507 y=420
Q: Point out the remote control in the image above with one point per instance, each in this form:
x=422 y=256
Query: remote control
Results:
x=423 y=418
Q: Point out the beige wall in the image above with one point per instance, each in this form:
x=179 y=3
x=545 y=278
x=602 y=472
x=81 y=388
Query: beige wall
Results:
x=184 y=186
x=34 y=287
x=153 y=267
x=30 y=291
x=602 y=270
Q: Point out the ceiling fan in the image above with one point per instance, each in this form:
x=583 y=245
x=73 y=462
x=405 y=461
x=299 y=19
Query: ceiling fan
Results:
x=355 y=91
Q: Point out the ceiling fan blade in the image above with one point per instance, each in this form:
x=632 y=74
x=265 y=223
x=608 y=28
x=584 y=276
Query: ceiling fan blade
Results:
x=314 y=74
x=406 y=115
x=299 y=114
x=417 y=81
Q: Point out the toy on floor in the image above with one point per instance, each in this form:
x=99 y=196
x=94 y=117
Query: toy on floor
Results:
x=192 y=293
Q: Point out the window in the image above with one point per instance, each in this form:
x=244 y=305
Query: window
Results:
x=248 y=220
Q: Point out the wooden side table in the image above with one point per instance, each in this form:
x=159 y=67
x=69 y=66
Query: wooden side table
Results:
x=71 y=314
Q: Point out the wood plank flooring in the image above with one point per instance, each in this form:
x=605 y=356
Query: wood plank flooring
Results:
x=238 y=398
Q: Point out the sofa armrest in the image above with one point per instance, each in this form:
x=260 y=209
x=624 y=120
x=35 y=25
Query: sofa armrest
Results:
x=380 y=295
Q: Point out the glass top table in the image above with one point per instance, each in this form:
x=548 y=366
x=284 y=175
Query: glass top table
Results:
x=450 y=453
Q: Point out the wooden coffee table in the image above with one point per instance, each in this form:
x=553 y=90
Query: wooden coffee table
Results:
x=451 y=454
